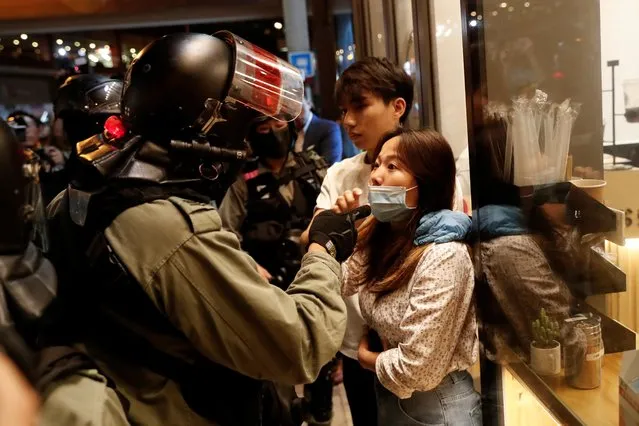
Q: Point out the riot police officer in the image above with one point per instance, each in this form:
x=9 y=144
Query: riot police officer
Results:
x=272 y=201
x=82 y=105
x=179 y=322
x=268 y=208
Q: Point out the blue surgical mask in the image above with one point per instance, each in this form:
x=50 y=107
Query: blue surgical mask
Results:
x=388 y=203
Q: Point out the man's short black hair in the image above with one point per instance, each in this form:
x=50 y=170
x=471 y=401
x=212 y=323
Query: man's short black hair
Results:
x=378 y=76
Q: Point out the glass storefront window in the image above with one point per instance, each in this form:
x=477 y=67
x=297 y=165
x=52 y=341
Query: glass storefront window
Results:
x=553 y=170
x=345 y=53
x=449 y=87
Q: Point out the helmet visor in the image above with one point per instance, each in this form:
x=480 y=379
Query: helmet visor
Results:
x=263 y=81
x=104 y=98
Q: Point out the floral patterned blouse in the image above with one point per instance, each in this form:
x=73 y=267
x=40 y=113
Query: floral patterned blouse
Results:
x=430 y=323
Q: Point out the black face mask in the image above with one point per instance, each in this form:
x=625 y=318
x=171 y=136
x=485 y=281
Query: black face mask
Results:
x=274 y=144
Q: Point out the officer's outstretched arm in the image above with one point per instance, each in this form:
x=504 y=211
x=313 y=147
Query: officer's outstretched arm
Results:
x=210 y=289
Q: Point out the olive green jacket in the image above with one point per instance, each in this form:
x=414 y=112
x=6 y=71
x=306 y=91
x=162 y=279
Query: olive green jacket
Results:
x=197 y=276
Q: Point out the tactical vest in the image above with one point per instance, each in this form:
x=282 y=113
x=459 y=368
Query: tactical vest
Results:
x=96 y=289
x=272 y=227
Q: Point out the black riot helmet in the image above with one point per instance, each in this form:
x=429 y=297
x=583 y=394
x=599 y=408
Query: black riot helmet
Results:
x=84 y=102
x=14 y=235
x=196 y=86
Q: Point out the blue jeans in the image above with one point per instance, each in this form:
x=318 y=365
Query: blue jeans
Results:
x=453 y=402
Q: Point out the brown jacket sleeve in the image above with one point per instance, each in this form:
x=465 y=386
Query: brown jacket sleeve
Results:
x=198 y=276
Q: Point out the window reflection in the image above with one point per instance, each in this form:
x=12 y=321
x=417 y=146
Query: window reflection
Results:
x=550 y=228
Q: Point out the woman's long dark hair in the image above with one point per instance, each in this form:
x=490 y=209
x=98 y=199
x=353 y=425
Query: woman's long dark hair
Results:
x=390 y=253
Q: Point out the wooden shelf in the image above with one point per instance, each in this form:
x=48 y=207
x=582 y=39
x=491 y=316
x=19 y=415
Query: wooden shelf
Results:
x=605 y=276
x=616 y=336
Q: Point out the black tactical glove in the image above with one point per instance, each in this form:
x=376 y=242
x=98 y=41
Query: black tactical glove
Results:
x=336 y=232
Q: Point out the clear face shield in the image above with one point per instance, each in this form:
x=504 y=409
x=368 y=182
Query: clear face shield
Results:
x=264 y=82
x=261 y=83
x=104 y=98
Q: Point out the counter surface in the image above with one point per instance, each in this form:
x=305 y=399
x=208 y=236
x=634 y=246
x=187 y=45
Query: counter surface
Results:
x=599 y=406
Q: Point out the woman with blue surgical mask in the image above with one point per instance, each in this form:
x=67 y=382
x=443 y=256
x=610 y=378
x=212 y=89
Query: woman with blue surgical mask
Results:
x=415 y=280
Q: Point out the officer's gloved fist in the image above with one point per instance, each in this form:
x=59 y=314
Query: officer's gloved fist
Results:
x=337 y=232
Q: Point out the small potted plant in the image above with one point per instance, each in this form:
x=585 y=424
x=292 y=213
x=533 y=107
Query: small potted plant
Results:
x=545 y=349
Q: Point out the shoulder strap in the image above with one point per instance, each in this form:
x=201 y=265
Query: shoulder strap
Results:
x=308 y=166
x=201 y=217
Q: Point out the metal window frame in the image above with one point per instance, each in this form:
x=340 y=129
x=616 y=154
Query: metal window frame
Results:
x=361 y=28
x=388 y=8
x=422 y=27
